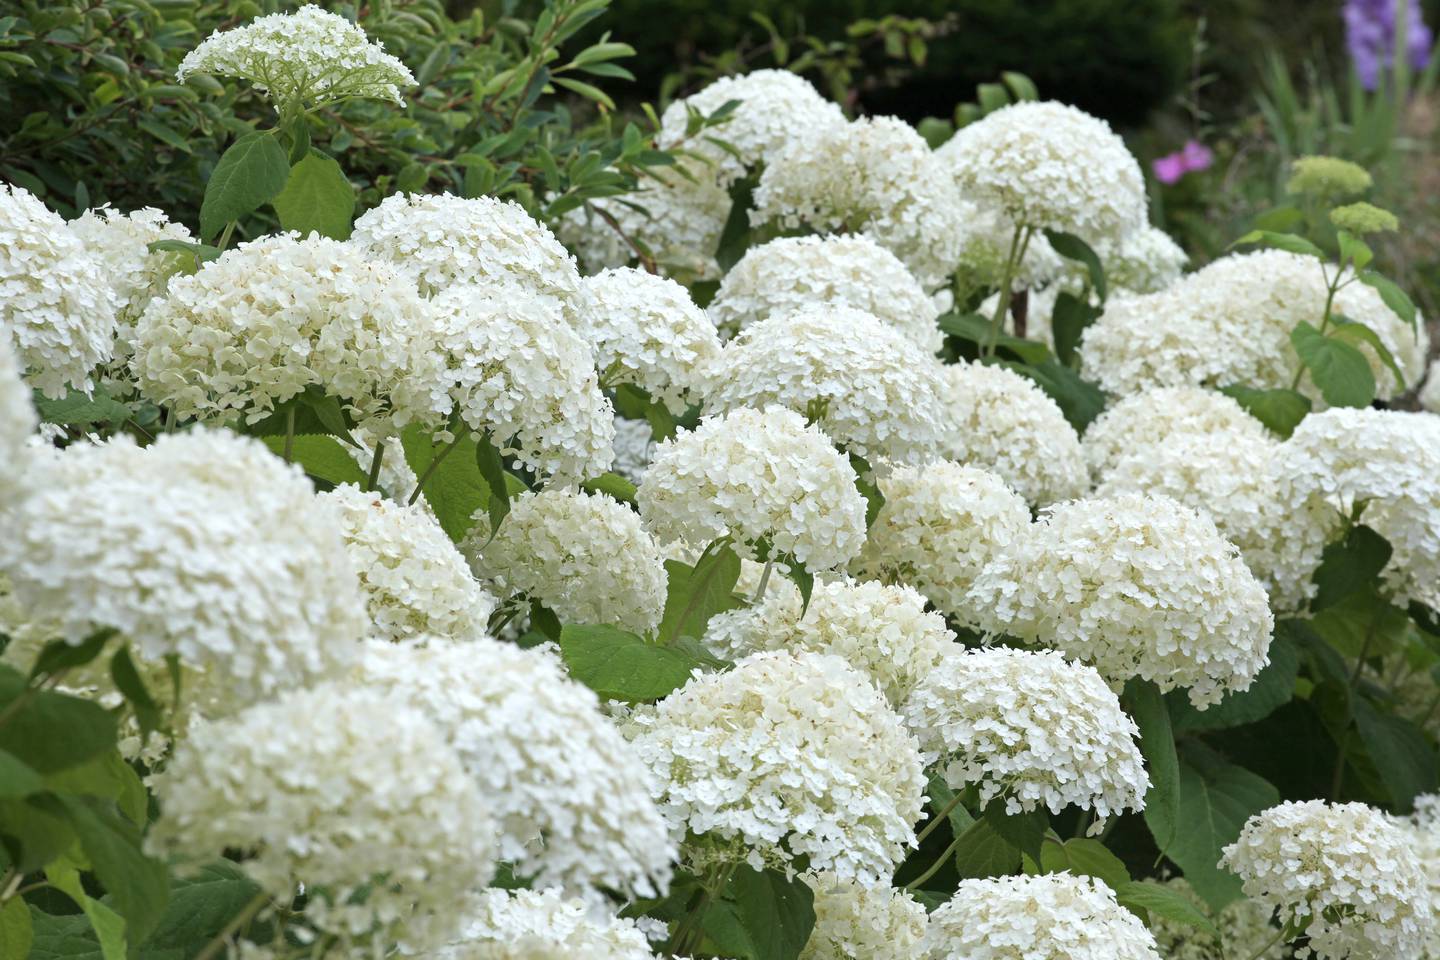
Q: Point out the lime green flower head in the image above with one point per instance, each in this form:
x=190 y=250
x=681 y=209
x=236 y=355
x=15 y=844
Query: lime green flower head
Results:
x=1362 y=218
x=1328 y=178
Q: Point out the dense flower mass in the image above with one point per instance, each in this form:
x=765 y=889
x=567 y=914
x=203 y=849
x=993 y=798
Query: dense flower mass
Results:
x=634 y=446
x=1152 y=417
x=302 y=59
x=17 y=423
x=540 y=925
x=572 y=799
x=853 y=920
x=938 y=528
x=1137 y=586
x=882 y=631
x=876 y=177
x=203 y=545
x=756 y=475
x=1049 y=165
x=585 y=556
x=1430 y=393
x=1047 y=917
x=1348 y=869
x=382 y=825
x=648 y=332
x=277 y=315
x=861 y=381
x=135 y=274
x=1004 y=422
x=1142 y=260
x=792 y=273
x=1030 y=728
x=416 y=582
x=787 y=755
x=54 y=300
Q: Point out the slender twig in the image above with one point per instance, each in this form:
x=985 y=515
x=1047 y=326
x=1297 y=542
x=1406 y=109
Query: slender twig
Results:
x=290 y=434
x=434 y=464
x=764 y=581
x=938 y=819
x=934 y=867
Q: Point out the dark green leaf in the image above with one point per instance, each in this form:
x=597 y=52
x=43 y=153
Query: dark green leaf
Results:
x=1340 y=370
x=1216 y=798
x=1068 y=321
x=1025 y=831
x=1402 y=755
x=108 y=777
x=454 y=489
x=976 y=329
x=58 y=655
x=1072 y=247
x=66 y=937
x=940 y=797
x=138 y=885
x=16 y=931
x=1280 y=219
x=328 y=411
x=1272 y=688
x=1348 y=565
x=317 y=197
x=695 y=594
x=50 y=731
x=1358 y=333
x=1362 y=620
x=17 y=778
x=492 y=470
x=77 y=410
x=34 y=830
x=621 y=666
x=868 y=488
x=107 y=925
x=1167 y=902
x=132 y=687
x=1281 y=241
x=323 y=458
x=804 y=580
x=200 y=906
x=982 y=851
x=1079 y=400
x=1395 y=298
x=1157 y=744
x=614 y=485
x=762 y=915
x=1280 y=410
x=1083 y=857
x=248 y=175
x=735 y=237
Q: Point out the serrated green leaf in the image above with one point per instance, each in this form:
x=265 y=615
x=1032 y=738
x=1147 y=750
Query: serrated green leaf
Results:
x=1216 y=798
x=1280 y=410
x=1401 y=752
x=68 y=937
x=323 y=458
x=107 y=926
x=1350 y=564
x=200 y=905
x=138 y=886
x=317 y=197
x=248 y=175
x=982 y=851
x=1340 y=370
x=1072 y=247
x=1271 y=689
x=696 y=593
x=17 y=933
x=454 y=489
x=621 y=666
x=76 y=409
x=1083 y=857
x=1163 y=901
x=762 y=915
x=51 y=731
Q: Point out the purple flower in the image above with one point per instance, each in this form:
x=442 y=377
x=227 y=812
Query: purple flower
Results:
x=1192 y=157
x=1370 y=37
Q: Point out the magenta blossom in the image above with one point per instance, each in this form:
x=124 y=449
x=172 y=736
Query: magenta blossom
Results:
x=1192 y=157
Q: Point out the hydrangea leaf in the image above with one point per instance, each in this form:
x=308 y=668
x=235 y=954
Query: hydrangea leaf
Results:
x=1216 y=798
x=317 y=197
x=249 y=174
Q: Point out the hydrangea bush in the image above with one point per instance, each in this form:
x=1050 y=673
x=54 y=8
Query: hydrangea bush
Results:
x=802 y=542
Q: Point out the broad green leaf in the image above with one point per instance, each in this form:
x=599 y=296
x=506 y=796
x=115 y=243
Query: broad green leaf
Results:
x=249 y=174
x=67 y=937
x=60 y=655
x=1280 y=219
x=1167 y=902
x=621 y=666
x=940 y=797
x=1357 y=333
x=1280 y=410
x=1272 y=688
x=1021 y=86
x=50 y=731
x=132 y=688
x=17 y=778
x=17 y=934
x=107 y=925
x=1281 y=241
x=317 y=197
x=695 y=594
x=108 y=777
x=1216 y=798
x=1362 y=620
x=1072 y=247
x=1354 y=252
x=614 y=485
x=762 y=915
x=1340 y=370
x=1351 y=564
x=1083 y=857
x=1402 y=755
x=1068 y=321
x=1079 y=400
x=1395 y=298
x=138 y=886
x=454 y=489
x=1025 y=830
x=735 y=237
x=77 y=410
x=976 y=329
x=200 y=906
x=323 y=458
x=492 y=471
x=35 y=830
x=328 y=411
x=982 y=851
x=1157 y=744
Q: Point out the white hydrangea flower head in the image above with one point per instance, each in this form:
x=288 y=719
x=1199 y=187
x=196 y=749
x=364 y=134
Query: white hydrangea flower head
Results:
x=1430 y=393
x=787 y=755
x=136 y=275
x=1230 y=322
x=17 y=424
x=1056 y=916
x=634 y=447
x=443 y=241
x=586 y=556
x=1136 y=586
x=853 y=920
x=881 y=630
x=1048 y=165
x=255 y=327
x=879 y=395
x=1424 y=827
x=940 y=525
x=1388 y=459
x=302 y=59
x=1245 y=931
x=416 y=583
x=574 y=801
x=987 y=233
x=755 y=475
x=648 y=332
x=1143 y=260
x=205 y=545
x=1004 y=422
x=851 y=270
x=542 y=925
x=54 y=298
x=1030 y=728
x=320 y=793
x=1348 y=868
x=775 y=108
x=873 y=176
x=519 y=373
x=1152 y=417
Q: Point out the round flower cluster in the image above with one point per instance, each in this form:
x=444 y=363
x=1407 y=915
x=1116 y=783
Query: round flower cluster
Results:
x=1347 y=869
x=573 y=801
x=874 y=176
x=1244 y=925
x=776 y=107
x=443 y=241
x=1031 y=728
x=1230 y=322
x=1387 y=460
x=302 y=59
x=271 y=317
x=1143 y=260
x=853 y=920
x=756 y=475
x=1002 y=421
x=541 y=925
x=634 y=448
x=648 y=332
x=1049 y=165
x=786 y=756
x=864 y=383
x=787 y=275
x=940 y=525
x=517 y=372
x=1136 y=586
x=1151 y=417
x=416 y=582
x=203 y=545
x=882 y=631
x=17 y=423
x=585 y=556
x=54 y=299
x=1055 y=916
x=377 y=819
x=136 y=275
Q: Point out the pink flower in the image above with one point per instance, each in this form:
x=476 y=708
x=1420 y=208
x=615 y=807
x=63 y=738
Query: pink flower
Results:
x=1190 y=158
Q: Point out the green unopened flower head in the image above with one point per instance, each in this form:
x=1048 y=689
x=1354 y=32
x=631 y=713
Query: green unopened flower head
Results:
x=1362 y=218
x=1328 y=178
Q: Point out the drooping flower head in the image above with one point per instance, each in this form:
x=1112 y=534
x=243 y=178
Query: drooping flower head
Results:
x=302 y=60
x=855 y=920
x=541 y=925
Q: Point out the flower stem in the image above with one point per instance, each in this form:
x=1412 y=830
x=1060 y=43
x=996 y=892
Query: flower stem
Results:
x=934 y=867
x=434 y=464
x=1018 y=241
x=290 y=434
x=938 y=819
x=764 y=581
x=374 y=476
